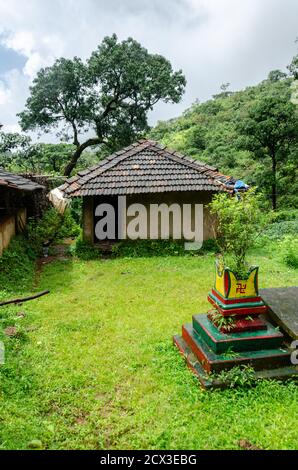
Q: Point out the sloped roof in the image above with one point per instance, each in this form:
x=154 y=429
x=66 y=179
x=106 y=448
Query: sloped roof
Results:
x=145 y=167
x=17 y=182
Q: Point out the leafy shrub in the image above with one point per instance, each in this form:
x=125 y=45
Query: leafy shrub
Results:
x=44 y=229
x=278 y=230
x=76 y=209
x=289 y=251
x=51 y=228
x=210 y=245
x=138 y=249
x=286 y=214
x=69 y=228
x=149 y=248
x=84 y=250
x=239 y=222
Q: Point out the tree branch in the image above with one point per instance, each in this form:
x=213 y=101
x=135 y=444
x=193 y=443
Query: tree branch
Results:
x=78 y=152
x=75 y=135
x=24 y=299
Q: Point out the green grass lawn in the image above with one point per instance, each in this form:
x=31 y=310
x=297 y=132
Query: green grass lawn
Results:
x=94 y=367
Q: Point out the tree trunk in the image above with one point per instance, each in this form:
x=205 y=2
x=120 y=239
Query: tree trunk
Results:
x=78 y=152
x=73 y=161
x=274 y=195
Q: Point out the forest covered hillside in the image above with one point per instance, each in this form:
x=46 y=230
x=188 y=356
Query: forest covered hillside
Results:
x=231 y=131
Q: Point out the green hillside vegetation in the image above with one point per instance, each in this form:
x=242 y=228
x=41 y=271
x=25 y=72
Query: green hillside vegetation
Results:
x=18 y=153
x=218 y=132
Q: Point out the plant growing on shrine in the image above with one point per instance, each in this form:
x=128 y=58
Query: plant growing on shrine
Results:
x=222 y=322
x=230 y=354
x=239 y=376
x=249 y=318
x=239 y=223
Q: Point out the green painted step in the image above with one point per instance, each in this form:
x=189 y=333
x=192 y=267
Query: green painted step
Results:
x=259 y=359
x=210 y=382
x=192 y=361
x=245 y=341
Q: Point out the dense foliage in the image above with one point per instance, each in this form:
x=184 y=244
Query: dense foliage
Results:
x=239 y=222
x=51 y=228
x=249 y=134
x=17 y=263
x=84 y=250
x=109 y=96
x=139 y=249
x=18 y=153
x=17 y=266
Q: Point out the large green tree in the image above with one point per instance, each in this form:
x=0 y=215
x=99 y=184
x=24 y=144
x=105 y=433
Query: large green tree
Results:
x=10 y=141
x=19 y=153
x=13 y=146
x=270 y=131
x=104 y=100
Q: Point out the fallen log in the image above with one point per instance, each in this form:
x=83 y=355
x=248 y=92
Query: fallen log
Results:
x=24 y=299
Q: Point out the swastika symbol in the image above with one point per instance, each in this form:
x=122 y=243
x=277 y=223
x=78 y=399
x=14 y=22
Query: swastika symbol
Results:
x=240 y=288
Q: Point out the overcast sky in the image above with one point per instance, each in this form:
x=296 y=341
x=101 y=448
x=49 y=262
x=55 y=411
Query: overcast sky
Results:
x=212 y=41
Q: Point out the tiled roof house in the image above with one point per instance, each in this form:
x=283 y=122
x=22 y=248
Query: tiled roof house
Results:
x=16 y=194
x=147 y=173
x=17 y=182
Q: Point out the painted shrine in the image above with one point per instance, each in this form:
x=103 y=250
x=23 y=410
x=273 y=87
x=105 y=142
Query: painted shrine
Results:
x=243 y=328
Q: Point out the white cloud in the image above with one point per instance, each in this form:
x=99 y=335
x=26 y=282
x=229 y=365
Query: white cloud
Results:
x=40 y=50
x=20 y=41
x=212 y=41
x=13 y=92
x=33 y=64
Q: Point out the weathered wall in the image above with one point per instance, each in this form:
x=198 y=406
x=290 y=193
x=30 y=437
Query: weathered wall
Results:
x=21 y=220
x=10 y=225
x=7 y=231
x=196 y=197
